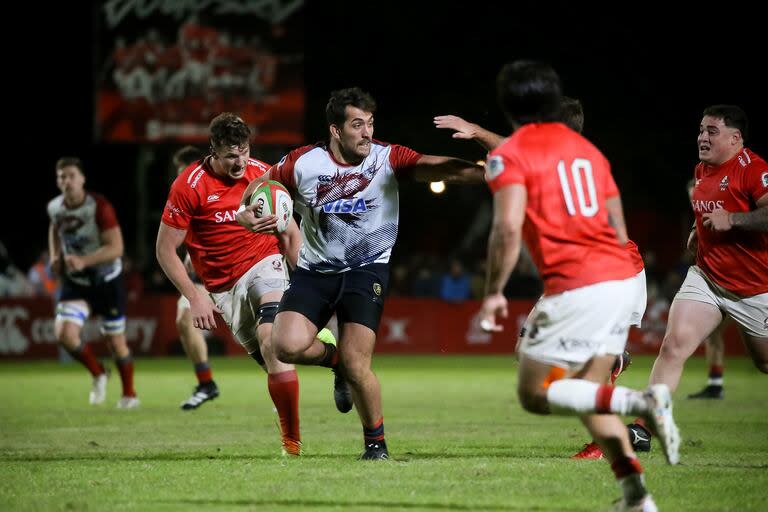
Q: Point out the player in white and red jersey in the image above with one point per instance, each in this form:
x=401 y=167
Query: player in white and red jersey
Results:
x=85 y=243
x=346 y=192
x=730 y=278
x=555 y=189
x=243 y=271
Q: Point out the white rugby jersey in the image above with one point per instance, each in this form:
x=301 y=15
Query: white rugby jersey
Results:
x=79 y=230
x=349 y=213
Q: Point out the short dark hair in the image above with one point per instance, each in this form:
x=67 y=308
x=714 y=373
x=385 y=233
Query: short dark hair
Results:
x=66 y=161
x=732 y=115
x=186 y=155
x=335 y=110
x=228 y=129
x=529 y=92
x=572 y=113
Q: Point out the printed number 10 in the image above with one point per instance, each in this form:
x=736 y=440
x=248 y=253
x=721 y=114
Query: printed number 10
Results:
x=581 y=171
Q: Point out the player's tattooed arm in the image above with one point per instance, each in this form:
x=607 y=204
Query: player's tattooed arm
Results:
x=723 y=220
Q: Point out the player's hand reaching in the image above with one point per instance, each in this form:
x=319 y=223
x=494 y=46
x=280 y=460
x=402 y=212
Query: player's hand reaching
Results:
x=248 y=219
x=718 y=220
x=464 y=129
x=493 y=305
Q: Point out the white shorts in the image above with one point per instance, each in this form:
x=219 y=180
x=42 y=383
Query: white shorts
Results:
x=240 y=303
x=641 y=299
x=751 y=313
x=183 y=302
x=570 y=328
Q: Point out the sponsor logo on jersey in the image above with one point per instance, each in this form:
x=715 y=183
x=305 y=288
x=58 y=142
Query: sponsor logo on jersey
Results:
x=494 y=167
x=764 y=179
x=277 y=265
x=325 y=178
x=226 y=216
x=197 y=178
x=353 y=205
x=213 y=197
x=700 y=205
x=172 y=209
x=724 y=183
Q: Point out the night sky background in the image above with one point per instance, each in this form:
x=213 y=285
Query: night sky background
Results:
x=643 y=76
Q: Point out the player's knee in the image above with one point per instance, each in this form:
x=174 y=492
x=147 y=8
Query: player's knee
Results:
x=674 y=345
x=356 y=371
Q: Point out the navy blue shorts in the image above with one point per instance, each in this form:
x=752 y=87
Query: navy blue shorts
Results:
x=105 y=299
x=356 y=295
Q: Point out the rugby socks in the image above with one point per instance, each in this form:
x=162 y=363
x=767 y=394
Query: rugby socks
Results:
x=375 y=433
x=125 y=367
x=629 y=475
x=85 y=356
x=203 y=372
x=284 y=390
x=715 y=376
x=578 y=397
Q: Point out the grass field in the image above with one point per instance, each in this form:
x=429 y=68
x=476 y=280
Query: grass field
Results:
x=458 y=438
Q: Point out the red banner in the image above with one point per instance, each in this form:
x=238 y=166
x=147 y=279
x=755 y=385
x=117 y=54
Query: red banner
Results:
x=408 y=326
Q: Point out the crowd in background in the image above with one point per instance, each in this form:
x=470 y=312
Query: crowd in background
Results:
x=414 y=274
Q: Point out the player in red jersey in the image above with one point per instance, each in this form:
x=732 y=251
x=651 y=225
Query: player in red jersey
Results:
x=730 y=278
x=555 y=189
x=243 y=272
x=572 y=115
x=192 y=338
x=86 y=245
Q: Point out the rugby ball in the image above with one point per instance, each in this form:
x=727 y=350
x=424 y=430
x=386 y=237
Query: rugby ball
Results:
x=272 y=198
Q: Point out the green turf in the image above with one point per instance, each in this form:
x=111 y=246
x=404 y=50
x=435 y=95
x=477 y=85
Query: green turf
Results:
x=458 y=438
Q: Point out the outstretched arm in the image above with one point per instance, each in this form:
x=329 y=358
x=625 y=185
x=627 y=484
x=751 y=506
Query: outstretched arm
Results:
x=444 y=168
x=469 y=131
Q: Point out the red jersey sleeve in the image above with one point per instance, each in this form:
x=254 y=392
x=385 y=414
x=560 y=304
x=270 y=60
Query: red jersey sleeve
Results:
x=181 y=204
x=756 y=181
x=502 y=170
x=106 y=218
x=401 y=157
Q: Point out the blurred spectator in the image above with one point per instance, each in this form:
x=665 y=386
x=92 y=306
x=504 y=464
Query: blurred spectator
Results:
x=13 y=282
x=134 y=281
x=42 y=278
x=398 y=281
x=454 y=285
x=424 y=284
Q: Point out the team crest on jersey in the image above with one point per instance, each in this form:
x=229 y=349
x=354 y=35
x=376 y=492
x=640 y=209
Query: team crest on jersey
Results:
x=724 y=183
x=494 y=167
x=377 y=289
x=698 y=180
x=764 y=179
x=742 y=162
